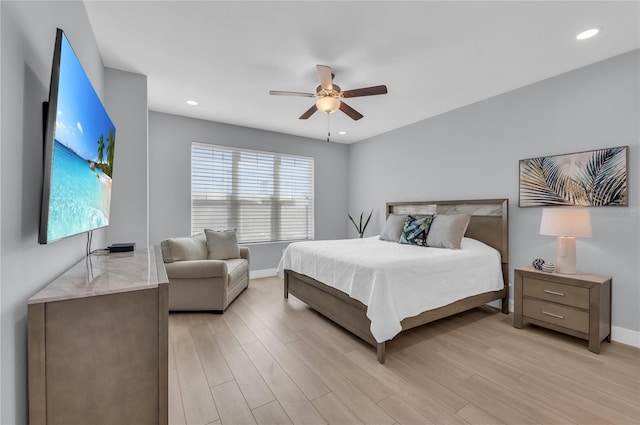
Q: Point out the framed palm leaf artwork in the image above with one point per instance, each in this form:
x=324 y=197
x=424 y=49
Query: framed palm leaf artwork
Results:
x=595 y=178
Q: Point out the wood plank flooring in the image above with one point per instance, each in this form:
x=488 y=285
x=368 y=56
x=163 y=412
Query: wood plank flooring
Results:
x=268 y=360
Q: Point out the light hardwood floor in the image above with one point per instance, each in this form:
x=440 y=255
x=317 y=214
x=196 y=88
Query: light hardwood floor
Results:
x=268 y=360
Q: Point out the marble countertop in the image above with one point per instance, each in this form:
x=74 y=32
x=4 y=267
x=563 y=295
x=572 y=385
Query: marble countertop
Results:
x=106 y=273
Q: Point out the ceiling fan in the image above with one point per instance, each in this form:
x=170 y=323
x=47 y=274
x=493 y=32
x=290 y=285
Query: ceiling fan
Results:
x=329 y=95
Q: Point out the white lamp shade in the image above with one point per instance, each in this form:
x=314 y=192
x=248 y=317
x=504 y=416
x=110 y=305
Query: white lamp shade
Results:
x=566 y=222
x=328 y=104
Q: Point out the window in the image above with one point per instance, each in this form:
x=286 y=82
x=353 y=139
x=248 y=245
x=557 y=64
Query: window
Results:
x=266 y=196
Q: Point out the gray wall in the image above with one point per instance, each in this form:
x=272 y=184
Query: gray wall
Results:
x=27 y=37
x=473 y=153
x=170 y=138
x=126 y=101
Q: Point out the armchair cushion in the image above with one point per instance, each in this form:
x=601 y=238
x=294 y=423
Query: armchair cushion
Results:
x=196 y=269
x=222 y=245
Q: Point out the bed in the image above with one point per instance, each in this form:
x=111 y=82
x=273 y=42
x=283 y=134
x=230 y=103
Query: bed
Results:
x=488 y=224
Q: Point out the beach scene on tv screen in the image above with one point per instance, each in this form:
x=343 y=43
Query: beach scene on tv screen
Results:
x=82 y=167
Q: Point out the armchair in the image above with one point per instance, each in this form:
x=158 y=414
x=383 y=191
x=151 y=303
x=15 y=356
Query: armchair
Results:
x=198 y=282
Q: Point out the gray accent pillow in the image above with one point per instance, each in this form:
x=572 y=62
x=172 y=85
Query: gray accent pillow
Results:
x=184 y=249
x=222 y=245
x=393 y=227
x=447 y=231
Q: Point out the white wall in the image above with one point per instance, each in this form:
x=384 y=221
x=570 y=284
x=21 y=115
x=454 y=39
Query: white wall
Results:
x=27 y=39
x=1 y=347
x=126 y=101
x=473 y=153
x=170 y=139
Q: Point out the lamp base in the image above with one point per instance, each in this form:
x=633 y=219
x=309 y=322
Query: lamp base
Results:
x=566 y=255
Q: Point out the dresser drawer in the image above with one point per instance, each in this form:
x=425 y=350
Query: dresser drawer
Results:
x=557 y=314
x=574 y=296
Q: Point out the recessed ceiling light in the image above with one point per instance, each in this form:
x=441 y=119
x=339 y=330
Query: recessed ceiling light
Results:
x=588 y=33
x=192 y=102
x=342 y=132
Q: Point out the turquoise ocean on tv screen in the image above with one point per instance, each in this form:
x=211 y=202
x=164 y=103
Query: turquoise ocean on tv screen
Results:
x=79 y=197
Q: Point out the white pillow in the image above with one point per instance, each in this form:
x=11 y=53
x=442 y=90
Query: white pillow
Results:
x=447 y=231
x=222 y=245
x=392 y=228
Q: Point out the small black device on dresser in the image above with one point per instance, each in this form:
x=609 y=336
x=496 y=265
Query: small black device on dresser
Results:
x=122 y=247
x=577 y=304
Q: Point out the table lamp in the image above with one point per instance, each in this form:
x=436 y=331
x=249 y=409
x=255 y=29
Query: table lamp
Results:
x=567 y=224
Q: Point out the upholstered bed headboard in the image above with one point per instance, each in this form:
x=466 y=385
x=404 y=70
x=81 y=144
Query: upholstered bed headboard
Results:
x=489 y=219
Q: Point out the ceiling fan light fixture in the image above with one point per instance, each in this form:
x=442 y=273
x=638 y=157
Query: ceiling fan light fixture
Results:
x=328 y=104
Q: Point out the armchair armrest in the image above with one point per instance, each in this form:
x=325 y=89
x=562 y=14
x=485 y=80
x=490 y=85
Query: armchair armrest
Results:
x=244 y=253
x=196 y=269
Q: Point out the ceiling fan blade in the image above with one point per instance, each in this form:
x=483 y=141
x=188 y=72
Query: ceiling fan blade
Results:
x=367 y=91
x=290 y=93
x=326 y=77
x=309 y=112
x=355 y=115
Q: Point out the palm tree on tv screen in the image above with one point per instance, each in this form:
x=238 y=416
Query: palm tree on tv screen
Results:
x=101 y=149
x=110 y=152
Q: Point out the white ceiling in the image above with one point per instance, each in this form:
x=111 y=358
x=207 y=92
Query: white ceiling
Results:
x=434 y=56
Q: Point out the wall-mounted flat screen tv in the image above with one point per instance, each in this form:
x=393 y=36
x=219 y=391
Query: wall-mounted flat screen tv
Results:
x=79 y=143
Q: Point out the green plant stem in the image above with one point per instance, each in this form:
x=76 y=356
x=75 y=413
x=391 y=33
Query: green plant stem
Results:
x=360 y=228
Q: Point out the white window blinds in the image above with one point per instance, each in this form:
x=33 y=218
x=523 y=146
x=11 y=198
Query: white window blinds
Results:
x=266 y=196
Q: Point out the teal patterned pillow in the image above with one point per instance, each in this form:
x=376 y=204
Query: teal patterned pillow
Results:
x=415 y=230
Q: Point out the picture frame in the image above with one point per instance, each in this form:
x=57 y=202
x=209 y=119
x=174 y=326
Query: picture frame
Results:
x=595 y=178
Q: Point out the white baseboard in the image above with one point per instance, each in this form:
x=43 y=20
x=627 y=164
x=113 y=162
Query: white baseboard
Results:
x=625 y=336
x=257 y=274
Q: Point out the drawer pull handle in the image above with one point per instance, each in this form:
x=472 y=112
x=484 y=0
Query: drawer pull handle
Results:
x=552 y=315
x=554 y=292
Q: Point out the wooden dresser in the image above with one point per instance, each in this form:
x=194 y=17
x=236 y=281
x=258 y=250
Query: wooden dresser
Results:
x=98 y=343
x=578 y=305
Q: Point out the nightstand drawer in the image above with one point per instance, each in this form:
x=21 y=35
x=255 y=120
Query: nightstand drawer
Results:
x=574 y=296
x=557 y=314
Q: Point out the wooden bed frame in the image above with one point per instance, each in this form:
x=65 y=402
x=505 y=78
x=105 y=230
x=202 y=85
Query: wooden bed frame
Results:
x=489 y=224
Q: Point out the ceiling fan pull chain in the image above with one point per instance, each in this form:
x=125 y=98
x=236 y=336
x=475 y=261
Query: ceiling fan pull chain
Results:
x=328 y=128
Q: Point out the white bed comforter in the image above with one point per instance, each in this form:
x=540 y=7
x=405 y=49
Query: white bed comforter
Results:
x=396 y=281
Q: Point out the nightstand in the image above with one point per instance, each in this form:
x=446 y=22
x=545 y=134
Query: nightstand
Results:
x=578 y=304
